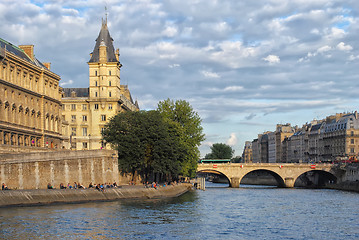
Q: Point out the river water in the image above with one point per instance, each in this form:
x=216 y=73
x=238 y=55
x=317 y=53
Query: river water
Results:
x=250 y=212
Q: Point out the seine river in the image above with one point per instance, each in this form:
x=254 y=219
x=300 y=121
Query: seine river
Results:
x=217 y=213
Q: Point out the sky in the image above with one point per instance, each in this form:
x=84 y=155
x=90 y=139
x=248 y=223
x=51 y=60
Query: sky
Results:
x=244 y=66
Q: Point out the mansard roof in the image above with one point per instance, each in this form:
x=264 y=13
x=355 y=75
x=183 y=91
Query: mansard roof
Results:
x=9 y=47
x=78 y=92
x=104 y=37
x=316 y=127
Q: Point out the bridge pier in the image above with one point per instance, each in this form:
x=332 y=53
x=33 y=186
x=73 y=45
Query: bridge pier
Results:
x=235 y=182
x=289 y=182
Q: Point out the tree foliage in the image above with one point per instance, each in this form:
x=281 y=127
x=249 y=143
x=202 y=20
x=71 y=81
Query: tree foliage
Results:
x=220 y=151
x=150 y=143
x=189 y=123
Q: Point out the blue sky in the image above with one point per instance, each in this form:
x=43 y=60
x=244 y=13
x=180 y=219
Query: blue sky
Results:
x=243 y=65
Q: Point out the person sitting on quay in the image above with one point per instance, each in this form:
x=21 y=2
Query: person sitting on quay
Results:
x=69 y=186
x=81 y=186
x=49 y=186
x=75 y=185
x=62 y=186
x=4 y=187
x=90 y=185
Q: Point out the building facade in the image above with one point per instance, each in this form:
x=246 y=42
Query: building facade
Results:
x=87 y=110
x=340 y=138
x=30 y=101
x=335 y=138
x=282 y=131
x=247 y=152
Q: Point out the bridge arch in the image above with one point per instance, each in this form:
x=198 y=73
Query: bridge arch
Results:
x=211 y=171
x=276 y=176
x=315 y=178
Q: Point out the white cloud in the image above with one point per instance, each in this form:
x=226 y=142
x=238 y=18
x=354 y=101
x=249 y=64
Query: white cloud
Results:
x=69 y=82
x=232 y=140
x=233 y=89
x=352 y=57
x=341 y=46
x=170 y=31
x=175 y=65
x=272 y=59
x=324 y=49
x=208 y=74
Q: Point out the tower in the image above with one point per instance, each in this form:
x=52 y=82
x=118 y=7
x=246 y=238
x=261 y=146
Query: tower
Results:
x=104 y=98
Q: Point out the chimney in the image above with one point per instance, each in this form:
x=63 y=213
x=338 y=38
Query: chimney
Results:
x=29 y=50
x=47 y=65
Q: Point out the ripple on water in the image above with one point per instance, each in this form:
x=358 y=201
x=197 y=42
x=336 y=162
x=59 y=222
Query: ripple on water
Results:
x=217 y=213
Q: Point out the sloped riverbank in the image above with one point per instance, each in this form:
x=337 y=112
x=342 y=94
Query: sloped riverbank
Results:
x=53 y=196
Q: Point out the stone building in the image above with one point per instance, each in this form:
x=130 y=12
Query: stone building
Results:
x=30 y=101
x=247 y=152
x=256 y=151
x=271 y=147
x=264 y=147
x=313 y=142
x=87 y=110
x=296 y=146
x=282 y=131
x=339 y=137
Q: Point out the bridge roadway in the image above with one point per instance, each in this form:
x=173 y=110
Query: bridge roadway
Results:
x=285 y=173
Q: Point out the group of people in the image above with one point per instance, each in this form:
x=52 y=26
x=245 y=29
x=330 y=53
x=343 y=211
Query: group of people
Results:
x=155 y=185
x=100 y=186
x=4 y=187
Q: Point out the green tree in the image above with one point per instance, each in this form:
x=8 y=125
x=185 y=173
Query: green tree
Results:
x=188 y=123
x=220 y=151
x=146 y=144
x=236 y=159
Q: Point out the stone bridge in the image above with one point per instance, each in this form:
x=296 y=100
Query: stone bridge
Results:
x=285 y=173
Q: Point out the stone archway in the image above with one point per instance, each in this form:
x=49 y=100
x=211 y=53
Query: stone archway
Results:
x=314 y=179
x=261 y=178
x=211 y=171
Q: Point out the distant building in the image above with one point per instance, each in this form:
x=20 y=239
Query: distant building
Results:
x=271 y=147
x=282 y=131
x=296 y=147
x=255 y=151
x=87 y=110
x=30 y=101
x=313 y=142
x=247 y=152
x=334 y=138
x=340 y=137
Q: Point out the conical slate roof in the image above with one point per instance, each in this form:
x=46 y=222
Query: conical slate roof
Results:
x=104 y=38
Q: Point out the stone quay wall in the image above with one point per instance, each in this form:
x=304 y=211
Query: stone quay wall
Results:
x=36 y=170
x=56 y=196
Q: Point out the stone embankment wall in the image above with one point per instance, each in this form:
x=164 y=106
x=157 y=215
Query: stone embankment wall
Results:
x=36 y=170
x=52 y=196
